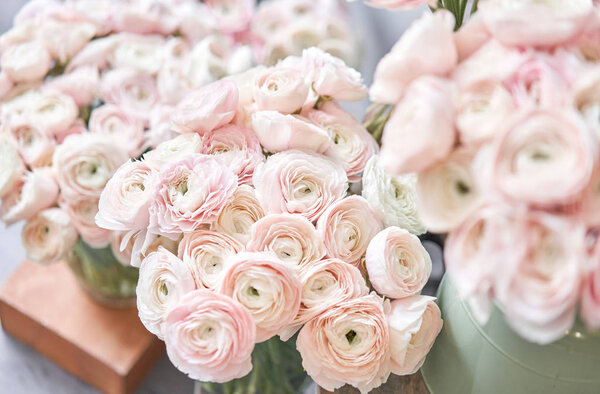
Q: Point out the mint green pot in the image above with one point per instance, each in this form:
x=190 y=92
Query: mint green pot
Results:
x=468 y=358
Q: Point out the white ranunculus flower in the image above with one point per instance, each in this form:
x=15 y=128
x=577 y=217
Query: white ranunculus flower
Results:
x=26 y=62
x=392 y=197
x=173 y=150
x=239 y=215
x=280 y=89
x=52 y=111
x=65 y=39
x=11 y=165
x=115 y=123
x=49 y=236
x=35 y=146
x=83 y=212
x=163 y=280
x=143 y=53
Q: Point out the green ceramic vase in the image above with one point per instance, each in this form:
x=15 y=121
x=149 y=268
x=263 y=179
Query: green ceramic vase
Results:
x=493 y=359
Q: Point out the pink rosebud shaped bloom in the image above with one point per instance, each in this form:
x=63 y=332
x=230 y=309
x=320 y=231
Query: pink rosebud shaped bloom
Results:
x=35 y=145
x=280 y=89
x=206 y=253
x=291 y=237
x=97 y=53
x=33 y=192
x=426 y=48
x=471 y=36
x=279 y=132
x=49 y=236
x=25 y=62
x=556 y=21
x=191 y=193
x=11 y=165
x=126 y=198
x=414 y=322
x=347 y=227
x=351 y=144
x=207 y=108
x=78 y=127
x=544 y=157
x=117 y=124
x=299 y=182
x=397 y=263
x=132 y=90
x=164 y=280
x=83 y=211
x=268 y=288
x=231 y=15
x=173 y=150
x=210 y=337
x=237 y=147
x=348 y=344
x=65 y=39
x=540 y=282
x=425 y=114
x=325 y=284
x=52 y=111
x=82 y=84
x=237 y=218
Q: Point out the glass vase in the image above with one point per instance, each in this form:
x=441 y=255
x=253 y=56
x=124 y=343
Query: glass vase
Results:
x=102 y=276
x=276 y=369
x=493 y=359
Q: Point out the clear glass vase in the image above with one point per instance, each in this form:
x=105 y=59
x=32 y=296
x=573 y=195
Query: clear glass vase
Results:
x=276 y=369
x=102 y=276
x=493 y=359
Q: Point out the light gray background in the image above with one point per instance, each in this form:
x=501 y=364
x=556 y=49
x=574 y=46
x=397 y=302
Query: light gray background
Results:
x=22 y=370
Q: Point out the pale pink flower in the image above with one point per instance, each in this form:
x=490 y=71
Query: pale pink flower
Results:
x=143 y=53
x=590 y=295
x=426 y=48
x=415 y=323
x=425 y=114
x=144 y=17
x=398 y=264
x=291 y=237
x=52 y=111
x=163 y=281
x=237 y=218
x=231 y=15
x=299 y=182
x=347 y=227
x=116 y=124
x=6 y=85
x=206 y=109
x=280 y=89
x=210 y=337
x=348 y=344
x=63 y=40
x=206 y=253
x=126 y=247
x=280 y=132
x=132 y=90
x=471 y=36
x=25 y=62
x=33 y=192
x=35 y=146
x=49 y=236
x=590 y=201
x=268 y=288
x=96 y=54
x=191 y=193
x=83 y=211
x=11 y=165
x=82 y=84
x=77 y=127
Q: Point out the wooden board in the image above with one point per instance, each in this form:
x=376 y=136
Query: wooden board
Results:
x=412 y=384
x=45 y=308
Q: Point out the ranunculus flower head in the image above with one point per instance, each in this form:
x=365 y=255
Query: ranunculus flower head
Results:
x=49 y=236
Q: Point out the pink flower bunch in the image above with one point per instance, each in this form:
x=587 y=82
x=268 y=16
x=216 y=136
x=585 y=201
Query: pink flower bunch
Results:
x=255 y=191
x=499 y=120
x=88 y=84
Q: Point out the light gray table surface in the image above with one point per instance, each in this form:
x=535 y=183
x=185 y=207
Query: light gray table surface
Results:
x=22 y=370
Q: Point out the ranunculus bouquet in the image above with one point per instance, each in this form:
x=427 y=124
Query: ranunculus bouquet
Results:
x=500 y=120
x=271 y=242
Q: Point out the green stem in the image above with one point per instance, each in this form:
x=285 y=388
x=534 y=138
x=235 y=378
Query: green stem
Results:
x=474 y=7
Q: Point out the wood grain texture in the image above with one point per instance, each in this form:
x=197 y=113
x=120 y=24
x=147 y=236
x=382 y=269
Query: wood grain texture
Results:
x=107 y=348
x=412 y=384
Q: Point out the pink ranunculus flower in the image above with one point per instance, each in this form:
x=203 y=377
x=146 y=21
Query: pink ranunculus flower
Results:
x=347 y=227
x=11 y=165
x=84 y=163
x=123 y=246
x=64 y=39
x=191 y=193
x=134 y=91
x=348 y=344
x=206 y=109
x=173 y=150
x=299 y=182
x=397 y=263
x=471 y=36
x=555 y=145
x=351 y=144
x=589 y=202
x=586 y=98
x=448 y=192
x=237 y=218
x=415 y=323
x=143 y=18
x=82 y=84
x=49 y=236
x=25 y=62
x=426 y=48
x=52 y=111
x=280 y=132
x=117 y=124
x=231 y=15
x=163 y=281
x=425 y=114
x=541 y=278
x=139 y=52
x=280 y=89
x=210 y=337
x=82 y=212
x=509 y=21
x=33 y=192
x=400 y=4
x=96 y=54
x=291 y=237
x=268 y=288
x=35 y=146
x=237 y=147
x=127 y=196
x=6 y=85
x=206 y=253
x=78 y=127
x=325 y=284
